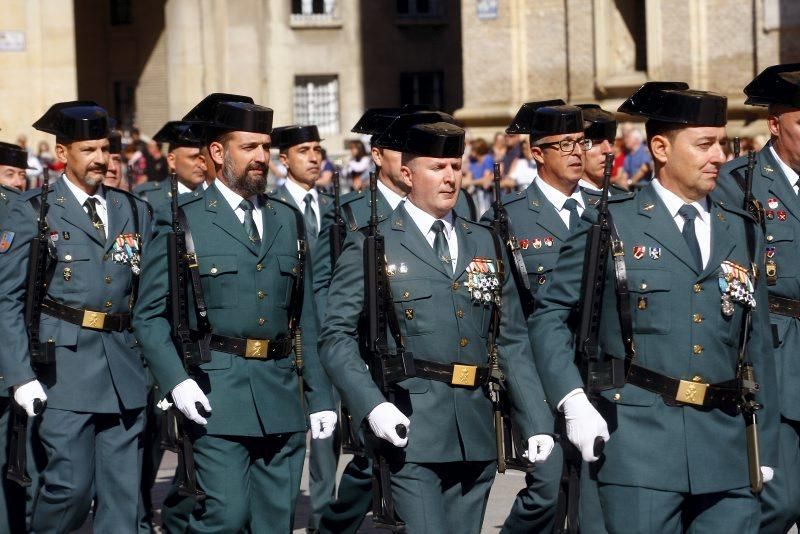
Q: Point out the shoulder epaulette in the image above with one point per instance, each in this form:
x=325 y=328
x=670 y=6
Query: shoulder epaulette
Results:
x=189 y=197
x=514 y=197
x=278 y=200
x=147 y=186
x=350 y=197
x=32 y=193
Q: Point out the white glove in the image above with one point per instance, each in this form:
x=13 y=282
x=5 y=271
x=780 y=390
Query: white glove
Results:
x=383 y=420
x=539 y=448
x=27 y=393
x=185 y=395
x=164 y=404
x=584 y=425
x=322 y=424
x=767 y=473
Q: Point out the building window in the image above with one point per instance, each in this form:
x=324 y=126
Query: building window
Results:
x=316 y=101
x=422 y=89
x=124 y=104
x=419 y=8
x=120 y=12
x=314 y=13
x=623 y=61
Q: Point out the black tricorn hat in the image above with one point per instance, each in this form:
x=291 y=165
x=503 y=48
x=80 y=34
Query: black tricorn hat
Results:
x=395 y=135
x=13 y=156
x=547 y=117
x=178 y=134
x=778 y=84
x=374 y=121
x=295 y=134
x=601 y=124
x=675 y=102
x=435 y=139
x=79 y=120
x=222 y=112
x=114 y=142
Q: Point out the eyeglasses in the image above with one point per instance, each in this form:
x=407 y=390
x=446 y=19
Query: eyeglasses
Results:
x=568 y=145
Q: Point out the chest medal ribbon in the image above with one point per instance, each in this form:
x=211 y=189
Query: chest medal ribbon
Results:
x=127 y=252
x=735 y=285
x=483 y=281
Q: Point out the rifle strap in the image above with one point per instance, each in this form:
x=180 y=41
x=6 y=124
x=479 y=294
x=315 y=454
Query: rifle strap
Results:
x=296 y=302
x=617 y=249
x=517 y=267
x=494 y=324
x=350 y=217
x=201 y=308
x=136 y=231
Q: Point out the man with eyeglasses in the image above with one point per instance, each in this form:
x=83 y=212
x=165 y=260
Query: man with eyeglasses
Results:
x=542 y=217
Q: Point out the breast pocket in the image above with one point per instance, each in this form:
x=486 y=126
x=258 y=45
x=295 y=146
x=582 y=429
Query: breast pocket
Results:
x=413 y=304
x=73 y=270
x=218 y=275
x=650 y=300
x=539 y=267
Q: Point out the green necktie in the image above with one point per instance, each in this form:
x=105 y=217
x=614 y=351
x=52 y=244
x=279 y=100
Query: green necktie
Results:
x=689 y=213
x=310 y=216
x=249 y=223
x=571 y=205
x=440 y=246
x=97 y=222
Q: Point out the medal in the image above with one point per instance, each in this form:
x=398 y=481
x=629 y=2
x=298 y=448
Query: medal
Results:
x=726 y=306
x=772 y=203
x=638 y=251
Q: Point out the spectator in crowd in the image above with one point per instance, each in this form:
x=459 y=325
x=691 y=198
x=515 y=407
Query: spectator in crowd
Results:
x=619 y=158
x=523 y=169
x=481 y=165
x=359 y=164
x=157 y=168
x=638 y=164
x=34 y=171
x=45 y=155
x=324 y=182
x=499 y=146
x=513 y=152
x=136 y=164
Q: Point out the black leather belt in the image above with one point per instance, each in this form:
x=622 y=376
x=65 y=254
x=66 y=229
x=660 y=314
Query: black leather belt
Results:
x=93 y=320
x=259 y=349
x=723 y=396
x=454 y=374
x=784 y=306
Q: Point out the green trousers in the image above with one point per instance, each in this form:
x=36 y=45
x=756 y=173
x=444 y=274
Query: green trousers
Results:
x=353 y=501
x=780 y=500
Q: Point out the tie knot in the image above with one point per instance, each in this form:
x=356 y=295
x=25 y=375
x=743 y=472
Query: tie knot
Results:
x=688 y=212
x=570 y=204
x=246 y=205
x=437 y=227
x=309 y=198
x=90 y=203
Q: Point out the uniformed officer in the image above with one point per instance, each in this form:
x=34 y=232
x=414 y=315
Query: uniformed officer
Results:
x=114 y=171
x=677 y=460
x=249 y=454
x=13 y=163
x=601 y=130
x=542 y=217
x=775 y=186
x=95 y=390
x=183 y=158
x=443 y=471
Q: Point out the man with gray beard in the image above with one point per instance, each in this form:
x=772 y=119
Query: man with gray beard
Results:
x=250 y=252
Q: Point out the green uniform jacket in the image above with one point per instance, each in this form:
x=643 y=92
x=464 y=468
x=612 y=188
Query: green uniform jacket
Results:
x=7 y=196
x=97 y=372
x=247 y=291
x=439 y=322
x=155 y=193
x=782 y=209
x=680 y=331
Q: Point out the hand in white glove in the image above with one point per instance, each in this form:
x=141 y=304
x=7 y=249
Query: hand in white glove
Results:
x=164 y=404
x=26 y=395
x=322 y=424
x=384 y=419
x=584 y=425
x=185 y=395
x=539 y=448
x=767 y=473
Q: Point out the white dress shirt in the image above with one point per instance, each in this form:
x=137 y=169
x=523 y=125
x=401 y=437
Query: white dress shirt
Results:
x=790 y=174
x=391 y=197
x=183 y=189
x=586 y=184
x=557 y=199
x=702 y=223
x=100 y=205
x=299 y=197
x=425 y=220
x=234 y=199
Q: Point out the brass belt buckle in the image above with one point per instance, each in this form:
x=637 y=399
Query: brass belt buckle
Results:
x=463 y=375
x=691 y=392
x=94 y=320
x=257 y=348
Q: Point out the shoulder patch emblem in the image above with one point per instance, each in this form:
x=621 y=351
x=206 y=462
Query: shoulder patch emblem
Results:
x=6 y=238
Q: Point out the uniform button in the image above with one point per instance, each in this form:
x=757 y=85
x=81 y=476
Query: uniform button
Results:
x=463 y=342
x=616 y=396
x=108 y=279
x=770 y=238
x=261 y=321
x=455 y=286
x=109 y=304
x=697 y=349
x=460 y=314
x=406 y=294
x=68 y=257
x=294 y=270
x=698 y=288
x=261 y=294
x=105 y=257
x=540 y=269
x=643 y=285
x=259 y=267
x=697 y=378
x=697 y=318
x=213 y=270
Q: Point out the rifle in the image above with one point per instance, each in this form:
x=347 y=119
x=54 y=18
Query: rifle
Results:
x=349 y=440
x=737 y=147
x=378 y=313
x=587 y=354
x=39 y=272
x=502 y=226
x=745 y=373
x=181 y=262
